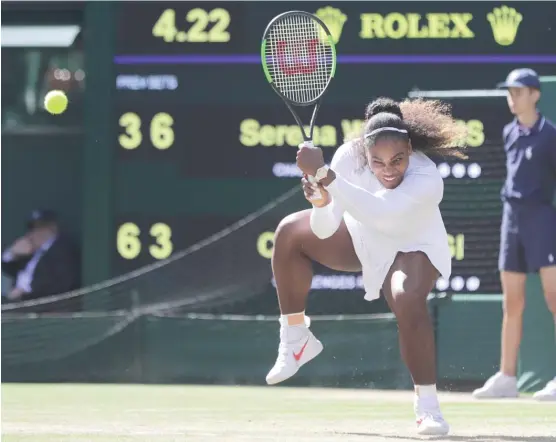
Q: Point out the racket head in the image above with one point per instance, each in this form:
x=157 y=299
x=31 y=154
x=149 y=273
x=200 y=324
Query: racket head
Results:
x=298 y=56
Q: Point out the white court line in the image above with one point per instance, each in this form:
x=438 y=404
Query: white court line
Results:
x=466 y=93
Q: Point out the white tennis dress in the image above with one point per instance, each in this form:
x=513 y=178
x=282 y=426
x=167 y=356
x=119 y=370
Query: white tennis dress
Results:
x=383 y=222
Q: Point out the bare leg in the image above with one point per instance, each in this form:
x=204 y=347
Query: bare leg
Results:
x=504 y=383
x=410 y=280
x=295 y=247
x=513 y=286
x=548 y=279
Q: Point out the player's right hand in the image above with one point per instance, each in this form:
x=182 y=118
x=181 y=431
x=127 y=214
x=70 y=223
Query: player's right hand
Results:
x=309 y=192
x=22 y=247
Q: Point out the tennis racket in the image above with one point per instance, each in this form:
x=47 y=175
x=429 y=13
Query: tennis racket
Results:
x=299 y=61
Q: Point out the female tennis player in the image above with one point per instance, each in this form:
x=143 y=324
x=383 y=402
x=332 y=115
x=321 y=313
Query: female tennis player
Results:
x=378 y=213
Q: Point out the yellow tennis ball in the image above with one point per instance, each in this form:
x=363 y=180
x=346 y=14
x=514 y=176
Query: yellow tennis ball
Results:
x=55 y=102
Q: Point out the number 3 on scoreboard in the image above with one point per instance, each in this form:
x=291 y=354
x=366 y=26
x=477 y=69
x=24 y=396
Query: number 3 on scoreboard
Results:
x=161 y=132
x=165 y=26
x=129 y=244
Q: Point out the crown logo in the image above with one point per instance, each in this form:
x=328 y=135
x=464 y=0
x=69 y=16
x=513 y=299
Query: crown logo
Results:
x=504 y=22
x=334 y=19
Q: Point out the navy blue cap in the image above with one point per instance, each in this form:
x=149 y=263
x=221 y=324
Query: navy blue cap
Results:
x=521 y=78
x=40 y=216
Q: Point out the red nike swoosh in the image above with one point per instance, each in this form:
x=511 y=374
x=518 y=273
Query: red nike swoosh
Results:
x=297 y=356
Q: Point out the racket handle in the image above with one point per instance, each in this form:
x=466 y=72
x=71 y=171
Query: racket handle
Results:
x=317 y=195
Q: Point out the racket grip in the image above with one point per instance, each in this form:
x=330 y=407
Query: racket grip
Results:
x=317 y=195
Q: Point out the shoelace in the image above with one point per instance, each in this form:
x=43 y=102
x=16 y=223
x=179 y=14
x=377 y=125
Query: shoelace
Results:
x=283 y=346
x=492 y=380
x=423 y=410
x=435 y=416
x=282 y=352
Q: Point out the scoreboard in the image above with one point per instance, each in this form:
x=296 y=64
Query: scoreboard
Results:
x=200 y=140
x=201 y=32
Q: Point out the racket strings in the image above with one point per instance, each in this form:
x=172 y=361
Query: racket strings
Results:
x=299 y=58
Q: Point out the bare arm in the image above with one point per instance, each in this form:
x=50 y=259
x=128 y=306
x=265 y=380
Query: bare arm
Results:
x=326 y=220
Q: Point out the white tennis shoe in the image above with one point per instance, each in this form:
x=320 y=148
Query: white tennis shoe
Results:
x=498 y=386
x=432 y=424
x=548 y=393
x=430 y=421
x=297 y=347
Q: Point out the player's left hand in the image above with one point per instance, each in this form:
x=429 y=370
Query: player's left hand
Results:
x=309 y=159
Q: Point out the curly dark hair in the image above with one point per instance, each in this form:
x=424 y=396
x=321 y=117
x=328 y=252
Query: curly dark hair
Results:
x=429 y=125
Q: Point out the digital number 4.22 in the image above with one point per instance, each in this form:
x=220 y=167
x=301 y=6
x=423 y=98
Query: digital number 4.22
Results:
x=217 y=20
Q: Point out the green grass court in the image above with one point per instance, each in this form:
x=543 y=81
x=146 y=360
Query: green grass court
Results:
x=137 y=413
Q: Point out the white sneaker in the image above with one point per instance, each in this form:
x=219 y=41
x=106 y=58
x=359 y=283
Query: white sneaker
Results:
x=548 y=393
x=498 y=386
x=430 y=424
x=297 y=347
x=430 y=421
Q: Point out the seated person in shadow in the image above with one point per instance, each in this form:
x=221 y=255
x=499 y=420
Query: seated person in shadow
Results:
x=43 y=262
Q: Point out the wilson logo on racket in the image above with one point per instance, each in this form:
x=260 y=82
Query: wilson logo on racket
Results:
x=296 y=64
x=298 y=55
